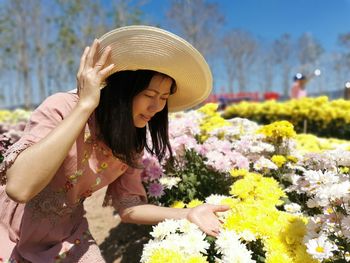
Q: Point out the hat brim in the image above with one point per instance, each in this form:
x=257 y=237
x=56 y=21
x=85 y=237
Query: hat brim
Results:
x=146 y=47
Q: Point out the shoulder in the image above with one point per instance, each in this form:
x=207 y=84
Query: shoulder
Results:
x=60 y=103
x=61 y=98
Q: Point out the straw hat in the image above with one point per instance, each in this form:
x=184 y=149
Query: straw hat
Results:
x=146 y=47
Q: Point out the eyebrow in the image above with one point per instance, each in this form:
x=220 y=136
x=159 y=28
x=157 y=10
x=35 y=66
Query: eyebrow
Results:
x=156 y=91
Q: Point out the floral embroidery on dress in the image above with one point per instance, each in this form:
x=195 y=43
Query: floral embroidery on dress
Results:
x=71 y=181
x=51 y=204
x=10 y=157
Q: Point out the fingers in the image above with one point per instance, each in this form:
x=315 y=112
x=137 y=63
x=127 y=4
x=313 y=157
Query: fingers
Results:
x=82 y=61
x=90 y=57
x=220 y=208
x=214 y=231
x=103 y=73
x=102 y=60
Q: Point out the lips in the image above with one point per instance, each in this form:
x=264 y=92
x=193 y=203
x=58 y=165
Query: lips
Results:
x=146 y=118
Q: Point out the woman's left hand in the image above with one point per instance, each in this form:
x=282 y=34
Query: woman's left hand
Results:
x=205 y=218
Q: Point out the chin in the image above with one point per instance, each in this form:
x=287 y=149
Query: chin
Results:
x=140 y=125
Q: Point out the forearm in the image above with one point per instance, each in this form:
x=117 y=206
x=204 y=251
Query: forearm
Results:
x=35 y=167
x=151 y=214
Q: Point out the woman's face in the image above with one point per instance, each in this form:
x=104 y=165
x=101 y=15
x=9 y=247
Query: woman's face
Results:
x=151 y=100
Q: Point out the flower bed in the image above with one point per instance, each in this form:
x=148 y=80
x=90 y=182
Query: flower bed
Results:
x=318 y=116
x=289 y=199
x=289 y=193
x=12 y=124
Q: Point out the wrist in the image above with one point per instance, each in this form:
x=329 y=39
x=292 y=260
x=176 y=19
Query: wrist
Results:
x=85 y=107
x=186 y=213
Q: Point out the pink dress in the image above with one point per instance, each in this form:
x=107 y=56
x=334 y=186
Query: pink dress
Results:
x=51 y=227
x=297 y=92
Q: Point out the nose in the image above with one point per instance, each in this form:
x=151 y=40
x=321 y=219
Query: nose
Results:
x=156 y=105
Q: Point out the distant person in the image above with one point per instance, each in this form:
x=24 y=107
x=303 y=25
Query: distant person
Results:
x=298 y=89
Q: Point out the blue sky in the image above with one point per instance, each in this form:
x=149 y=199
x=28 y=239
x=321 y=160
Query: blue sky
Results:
x=268 y=19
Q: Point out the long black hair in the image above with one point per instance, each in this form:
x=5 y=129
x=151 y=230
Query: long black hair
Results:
x=115 y=123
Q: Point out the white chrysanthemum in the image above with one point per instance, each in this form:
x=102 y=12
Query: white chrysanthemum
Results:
x=263 y=163
x=345 y=223
x=218 y=161
x=292 y=208
x=148 y=250
x=169 y=182
x=194 y=243
x=232 y=250
x=180 y=236
x=313 y=228
x=215 y=199
x=181 y=123
x=320 y=248
x=186 y=226
x=227 y=131
x=317 y=178
x=341 y=156
x=226 y=239
x=331 y=192
x=312 y=203
x=252 y=146
x=240 y=255
x=173 y=242
x=245 y=126
x=247 y=236
x=168 y=226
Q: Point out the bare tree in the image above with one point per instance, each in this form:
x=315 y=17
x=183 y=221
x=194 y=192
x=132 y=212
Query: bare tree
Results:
x=198 y=21
x=74 y=24
x=127 y=12
x=282 y=55
x=43 y=24
x=240 y=48
x=309 y=51
x=79 y=22
x=6 y=61
x=344 y=41
x=19 y=50
x=265 y=59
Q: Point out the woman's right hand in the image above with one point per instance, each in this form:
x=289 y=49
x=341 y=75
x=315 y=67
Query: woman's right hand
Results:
x=91 y=74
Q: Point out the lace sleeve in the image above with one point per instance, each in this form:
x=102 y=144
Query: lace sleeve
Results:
x=124 y=202
x=10 y=157
x=126 y=191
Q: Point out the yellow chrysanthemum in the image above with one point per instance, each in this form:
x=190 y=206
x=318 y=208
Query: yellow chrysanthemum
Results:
x=282 y=233
x=178 y=204
x=292 y=159
x=279 y=160
x=197 y=259
x=278 y=129
x=194 y=203
x=255 y=187
x=15 y=116
x=211 y=121
x=344 y=170
x=293 y=231
x=162 y=255
x=209 y=108
x=238 y=172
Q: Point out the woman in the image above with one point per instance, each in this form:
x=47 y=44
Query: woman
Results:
x=80 y=141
